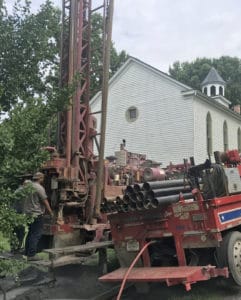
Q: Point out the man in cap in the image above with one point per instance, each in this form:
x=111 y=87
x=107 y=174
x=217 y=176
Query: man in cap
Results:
x=35 y=206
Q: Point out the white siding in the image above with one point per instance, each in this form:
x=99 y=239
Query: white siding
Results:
x=218 y=117
x=164 y=128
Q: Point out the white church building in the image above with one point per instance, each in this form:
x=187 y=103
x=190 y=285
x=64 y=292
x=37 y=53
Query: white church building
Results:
x=166 y=119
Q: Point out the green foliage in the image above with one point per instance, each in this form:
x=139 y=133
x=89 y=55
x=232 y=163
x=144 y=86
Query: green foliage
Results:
x=11 y=267
x=193 y=73
x=8 y=216
x=25 y=133
x=29 y=46
x=4 y=243
x=29 y=92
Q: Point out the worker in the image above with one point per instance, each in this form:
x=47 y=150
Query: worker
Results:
x=35 y=205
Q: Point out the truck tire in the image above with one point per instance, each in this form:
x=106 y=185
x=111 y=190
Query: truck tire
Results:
x=229 y=255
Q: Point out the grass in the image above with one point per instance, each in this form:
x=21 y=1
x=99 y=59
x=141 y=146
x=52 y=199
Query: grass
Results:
x=4 y=243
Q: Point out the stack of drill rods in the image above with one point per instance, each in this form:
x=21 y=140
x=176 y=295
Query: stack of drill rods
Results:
x=148 y=195
x=110 y=206
x=158 y=193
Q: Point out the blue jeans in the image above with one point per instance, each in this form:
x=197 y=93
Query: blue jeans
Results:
x=35 y=231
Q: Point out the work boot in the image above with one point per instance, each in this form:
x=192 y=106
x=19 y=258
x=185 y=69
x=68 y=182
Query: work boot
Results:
x=33 y=258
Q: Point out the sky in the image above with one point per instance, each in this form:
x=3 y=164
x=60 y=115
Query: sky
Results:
x=160 y=32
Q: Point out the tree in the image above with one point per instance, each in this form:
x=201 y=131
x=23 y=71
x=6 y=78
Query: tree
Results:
x=29 y=46
x=193 y=73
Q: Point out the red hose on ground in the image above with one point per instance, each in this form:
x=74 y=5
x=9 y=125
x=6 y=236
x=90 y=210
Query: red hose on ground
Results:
x=131 y=267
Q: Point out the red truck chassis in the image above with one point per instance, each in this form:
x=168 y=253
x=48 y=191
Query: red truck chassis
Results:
x=194 y=224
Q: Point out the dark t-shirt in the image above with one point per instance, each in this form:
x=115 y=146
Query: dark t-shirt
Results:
x=34 y=203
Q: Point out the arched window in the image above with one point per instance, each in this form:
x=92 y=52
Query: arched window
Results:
x=239 y=140
x=213 y=90
x=225 y=136
x=221 y=90
x=205 y=90
x=209 y=134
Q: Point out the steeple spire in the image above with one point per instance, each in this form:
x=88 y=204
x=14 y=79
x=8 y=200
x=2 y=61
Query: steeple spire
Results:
x=213 y=85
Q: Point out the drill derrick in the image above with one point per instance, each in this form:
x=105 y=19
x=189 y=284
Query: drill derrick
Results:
x=73 y=124
x=71 y=171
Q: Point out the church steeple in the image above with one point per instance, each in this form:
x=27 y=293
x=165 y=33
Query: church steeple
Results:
x=213 y=85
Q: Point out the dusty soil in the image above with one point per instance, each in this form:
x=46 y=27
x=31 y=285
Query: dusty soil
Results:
x=81 y=282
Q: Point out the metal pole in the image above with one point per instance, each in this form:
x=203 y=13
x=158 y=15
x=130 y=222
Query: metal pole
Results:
x=69 y=112
x=166 y=200
x=148 y=186
x=106 y=67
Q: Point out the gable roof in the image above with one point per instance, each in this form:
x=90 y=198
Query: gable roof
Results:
x=187 y=90
x=200 y=96
x=132 y=59
x=213 y=77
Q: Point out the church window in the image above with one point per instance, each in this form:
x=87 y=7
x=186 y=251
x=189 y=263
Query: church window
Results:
x=132 y=114
x=213 y=90
x=205 y=90
x=225 y=136
x=239 y=140
x=209 y=133
x=221 y=90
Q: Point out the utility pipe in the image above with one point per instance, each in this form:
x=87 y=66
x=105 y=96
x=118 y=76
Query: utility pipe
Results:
x=168 y=191
x=159 y=201
x=147 y=186
x=106 y=67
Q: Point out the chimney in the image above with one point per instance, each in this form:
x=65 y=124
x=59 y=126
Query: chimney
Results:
x=236 y=108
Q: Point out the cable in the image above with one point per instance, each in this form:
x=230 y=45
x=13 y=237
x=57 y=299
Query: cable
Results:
x=131 y=267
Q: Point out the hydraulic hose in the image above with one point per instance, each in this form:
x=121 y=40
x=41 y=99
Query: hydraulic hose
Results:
x=131 y=267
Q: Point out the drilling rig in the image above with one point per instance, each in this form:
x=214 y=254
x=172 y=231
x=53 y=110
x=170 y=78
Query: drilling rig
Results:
x=73 y=170
x=176 y=231
x=181 y=231
x=76 y=180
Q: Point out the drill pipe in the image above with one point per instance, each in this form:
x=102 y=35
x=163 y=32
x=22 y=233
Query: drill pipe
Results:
x=129 y=189
x=139 y=205
x=168 y=191
x=132 y=197
x=147 y=186
x=159 y=201
x=123 y=208
x=137 y=187
x=147 y=204
x=112 y=206
x=141 y=196
x=126 y=199
x=119 y=201
x=106 y=209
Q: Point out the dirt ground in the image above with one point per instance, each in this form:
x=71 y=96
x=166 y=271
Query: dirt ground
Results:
x=81 y=282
